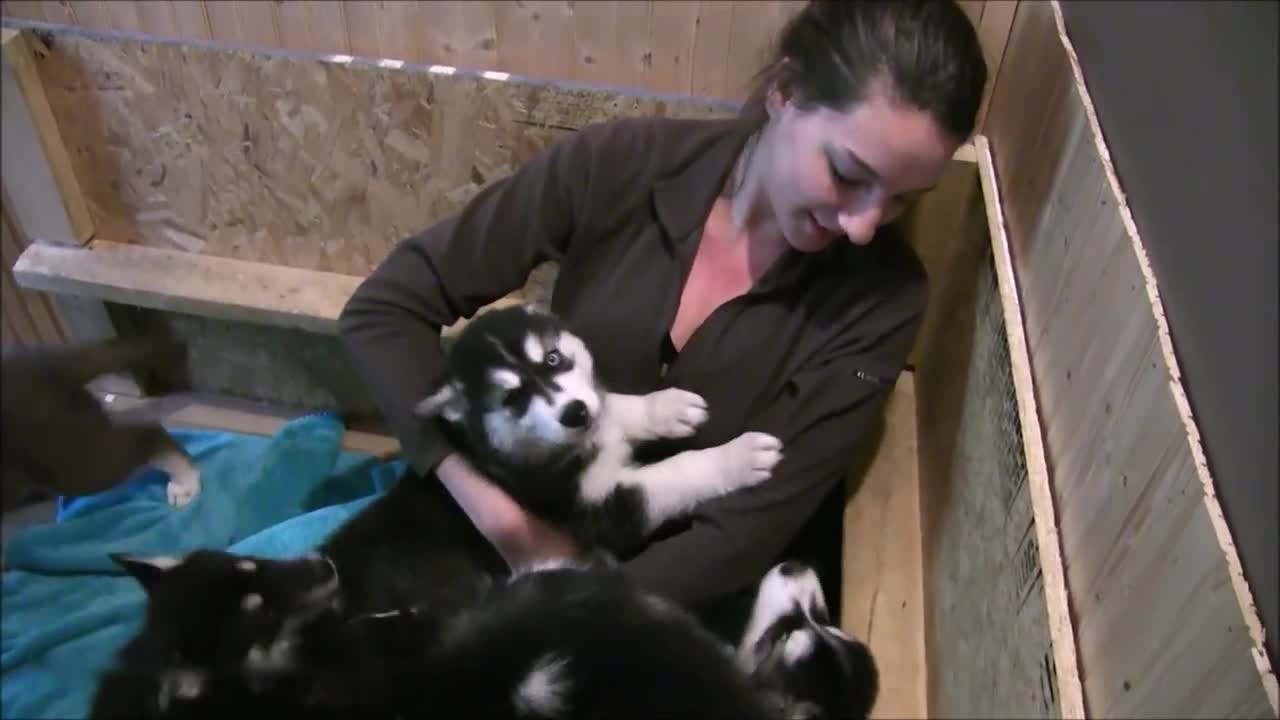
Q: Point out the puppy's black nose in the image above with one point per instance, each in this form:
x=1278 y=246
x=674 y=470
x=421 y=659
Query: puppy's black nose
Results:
x=575 y=415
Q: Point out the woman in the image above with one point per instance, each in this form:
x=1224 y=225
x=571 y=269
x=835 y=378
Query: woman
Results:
x=751 y=260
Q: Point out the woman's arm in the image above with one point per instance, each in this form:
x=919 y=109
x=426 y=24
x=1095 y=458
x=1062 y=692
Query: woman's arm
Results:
x=822 y=417
x=391 y=325
x=522 y=539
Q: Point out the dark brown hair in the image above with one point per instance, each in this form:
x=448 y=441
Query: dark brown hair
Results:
x=834 y=51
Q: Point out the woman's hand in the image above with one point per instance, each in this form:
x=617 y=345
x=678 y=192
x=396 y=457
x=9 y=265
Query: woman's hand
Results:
x=519 y=537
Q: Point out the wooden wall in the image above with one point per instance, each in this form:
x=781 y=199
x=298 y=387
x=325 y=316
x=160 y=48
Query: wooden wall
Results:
x=1164 y=620
x=28 y=317
x=708 y=49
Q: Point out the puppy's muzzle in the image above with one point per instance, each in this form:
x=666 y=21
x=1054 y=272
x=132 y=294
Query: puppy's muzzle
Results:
x=575 y=415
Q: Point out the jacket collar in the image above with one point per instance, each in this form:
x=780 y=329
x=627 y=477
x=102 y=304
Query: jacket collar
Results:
x=683 y=198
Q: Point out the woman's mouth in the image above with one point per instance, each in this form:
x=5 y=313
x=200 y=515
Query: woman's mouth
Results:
x=818 y=230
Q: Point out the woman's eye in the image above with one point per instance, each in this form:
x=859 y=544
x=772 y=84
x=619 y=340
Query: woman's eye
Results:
x=843 y=179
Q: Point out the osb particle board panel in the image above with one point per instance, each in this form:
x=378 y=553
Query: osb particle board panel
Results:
x=1163 y=617
x=291 y=159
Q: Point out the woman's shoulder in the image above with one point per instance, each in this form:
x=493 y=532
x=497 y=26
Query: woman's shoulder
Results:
x=658 y=144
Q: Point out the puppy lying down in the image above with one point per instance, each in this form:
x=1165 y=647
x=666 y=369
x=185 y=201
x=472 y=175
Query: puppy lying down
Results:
x=233 y=636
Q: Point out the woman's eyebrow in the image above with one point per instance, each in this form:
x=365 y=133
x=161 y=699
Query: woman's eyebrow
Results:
x=862 y=167
x=859 y=164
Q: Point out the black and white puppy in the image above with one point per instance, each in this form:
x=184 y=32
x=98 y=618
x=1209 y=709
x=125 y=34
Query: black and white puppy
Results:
x=520 y=399
x=218 y=629
x=234 y=636
x=231 y=636
x=791 y=649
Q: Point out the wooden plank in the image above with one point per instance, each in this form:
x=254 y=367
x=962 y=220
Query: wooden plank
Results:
x=197 y=284
x=477 y=38
x=674 y=27
x=192 y=20
x=224 y=25
x=993 y=34
x=882 y=597
x=469 y=36
x=711 y=50
x=257 y=23
x=26 y=307
x=1165 y=625
x=1061 y=631
x=157 y=18
x=202 y=411
x=1200 y=464
x=38 y=176
x=595 y=44
x=175 y=281
x=752 y=28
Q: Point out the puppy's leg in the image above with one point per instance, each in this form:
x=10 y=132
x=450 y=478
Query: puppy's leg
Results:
x=673 y=486
x=668 y=413
x=132 y=446
x=184 y=476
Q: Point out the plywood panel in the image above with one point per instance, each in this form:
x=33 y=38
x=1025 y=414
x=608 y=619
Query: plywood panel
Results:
x=43 y=192
x=295 y=161
x=30 y=316
x=882 y=599
x=1164 y=620
x=539 y=38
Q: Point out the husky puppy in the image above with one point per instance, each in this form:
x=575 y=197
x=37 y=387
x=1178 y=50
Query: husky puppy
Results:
x=217 y=624
x=810 y=669
x=47 y=407
x=236 y=636
x=519 y=399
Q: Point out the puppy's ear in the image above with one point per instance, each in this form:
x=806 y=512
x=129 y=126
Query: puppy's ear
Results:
x=146 y=570
x=447 y=402
x=536 y=308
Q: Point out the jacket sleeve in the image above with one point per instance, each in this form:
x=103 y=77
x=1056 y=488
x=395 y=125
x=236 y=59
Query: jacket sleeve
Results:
x=822 y=415
x=391 y=325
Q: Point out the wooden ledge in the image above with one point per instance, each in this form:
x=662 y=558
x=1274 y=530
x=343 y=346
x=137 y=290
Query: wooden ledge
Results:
x=179 y=281
x=208 y=411
x=966 y=153
x=203 y=285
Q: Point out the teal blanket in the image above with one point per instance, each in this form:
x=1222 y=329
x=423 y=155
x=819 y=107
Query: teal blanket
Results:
x=67 y=607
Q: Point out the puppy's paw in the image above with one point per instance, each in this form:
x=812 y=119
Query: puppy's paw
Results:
x=750 y=458
x=183 y=487
x=675 y=413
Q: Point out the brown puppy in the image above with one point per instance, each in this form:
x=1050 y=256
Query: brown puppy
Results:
x=56 y=436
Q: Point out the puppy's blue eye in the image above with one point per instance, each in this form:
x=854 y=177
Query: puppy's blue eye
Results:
x=552 y=359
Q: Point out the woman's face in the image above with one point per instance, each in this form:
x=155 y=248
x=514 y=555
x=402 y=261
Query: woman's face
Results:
x=843 y=174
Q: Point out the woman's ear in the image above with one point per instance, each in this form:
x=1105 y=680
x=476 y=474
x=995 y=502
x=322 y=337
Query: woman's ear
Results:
x=779 y=91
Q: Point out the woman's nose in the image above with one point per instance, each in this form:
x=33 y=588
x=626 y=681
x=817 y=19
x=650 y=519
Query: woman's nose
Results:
x=860 y=224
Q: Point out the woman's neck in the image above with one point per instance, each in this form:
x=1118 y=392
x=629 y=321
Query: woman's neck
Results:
x=750 y=215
